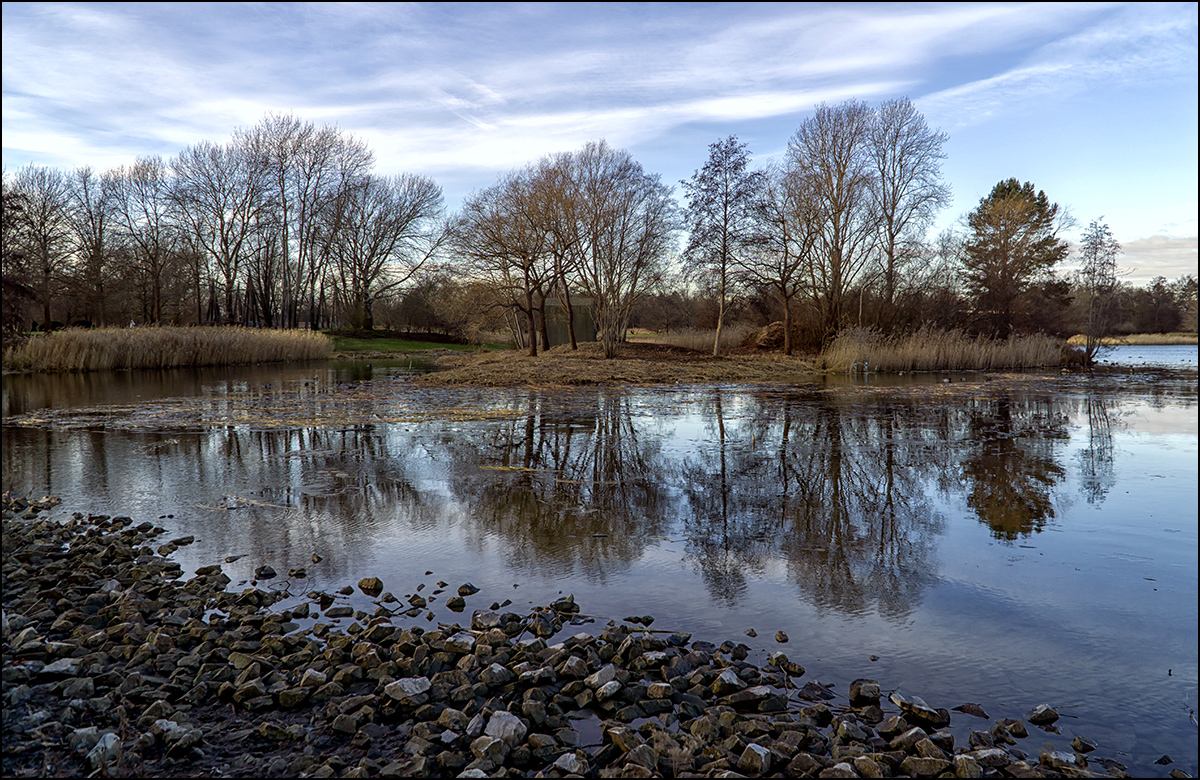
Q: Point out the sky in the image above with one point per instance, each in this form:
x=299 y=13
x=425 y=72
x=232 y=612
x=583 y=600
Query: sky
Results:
x=1095 y=103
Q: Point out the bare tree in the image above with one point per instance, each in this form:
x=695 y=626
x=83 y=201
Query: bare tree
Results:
x=719 y=220
x=832 y=152
x=93 y=221
x=383 y=230
x=906 y=155
x=222 y=196
x=1098 y=252
x=307 y=165
x=625 y=224
x=144 y=210
x=501 y=233
x=786 y=234
x=45 y=196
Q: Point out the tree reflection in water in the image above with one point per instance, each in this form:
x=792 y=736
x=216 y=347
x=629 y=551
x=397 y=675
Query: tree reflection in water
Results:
x=1011 y=469
x=584 y=492
x=834 y=491
x=841 y=490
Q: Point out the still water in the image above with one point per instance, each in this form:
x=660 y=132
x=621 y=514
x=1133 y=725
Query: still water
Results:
x=1005 y=540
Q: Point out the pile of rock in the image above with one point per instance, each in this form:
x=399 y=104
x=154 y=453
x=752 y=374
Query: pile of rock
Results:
x=114 y=664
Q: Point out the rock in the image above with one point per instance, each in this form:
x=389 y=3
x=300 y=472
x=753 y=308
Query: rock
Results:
x=916 y=707
x=467 y=589
x=1058 y=760
x=842 y=769
x=971 y=709
x=506 y=726
x=966 y=766
x=407 y=690
x=484 y=620
x=608 y=690
x=755 y=760
x=106 y=753
x=570 y=764
x=863 y=692
x=456 y=604
x=463 y=642
x=264 y=573
x=750 y=632
x=1083 y=744
x=372 y=586
x=924 y=767
x=601 y=677
x=781 y=637
x=726 y=683
x=814 y=691
x=1042 y=715
x=496 y=675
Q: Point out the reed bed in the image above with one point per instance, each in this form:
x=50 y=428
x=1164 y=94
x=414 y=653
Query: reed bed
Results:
x=103 y=349
x=936 y=350
x=702 y=339
x=1138 y=340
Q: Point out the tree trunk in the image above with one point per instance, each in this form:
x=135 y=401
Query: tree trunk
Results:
x=787 y=323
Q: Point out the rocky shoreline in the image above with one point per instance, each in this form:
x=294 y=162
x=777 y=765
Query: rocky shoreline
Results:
x=116 y=664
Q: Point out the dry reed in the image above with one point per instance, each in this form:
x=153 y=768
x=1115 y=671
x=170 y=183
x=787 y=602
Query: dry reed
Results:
x=1139 y=340
x=935 y=350
x=153 y=347
x=700 y=339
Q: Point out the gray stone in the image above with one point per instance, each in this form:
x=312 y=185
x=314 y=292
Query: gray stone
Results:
x=1083 y=744
x=407 y=689
x=608 y=690
x=106 y=753
x=755 y=760
x=484 y=620
x=726 y=683
x=575 y=667
x=864 y=692
x=570 y=764
x=660 y=690
x=506 y=726
x=490 y=748
x=83 y=740
x=924 y=767
x=966 y=766
x=496 y=675
x=463 y=642
x=606 y=674
x=1042 y=715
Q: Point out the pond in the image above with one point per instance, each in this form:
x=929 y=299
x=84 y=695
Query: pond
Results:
x=1001 y=539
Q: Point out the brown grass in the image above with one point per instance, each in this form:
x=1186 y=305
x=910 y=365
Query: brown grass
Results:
x=635 y=363
x=1138 y=339
x=934 y=350
x=120 y=348
x=701 y=340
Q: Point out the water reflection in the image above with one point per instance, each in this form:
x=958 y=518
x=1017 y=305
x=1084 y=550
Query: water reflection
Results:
x=844 y=492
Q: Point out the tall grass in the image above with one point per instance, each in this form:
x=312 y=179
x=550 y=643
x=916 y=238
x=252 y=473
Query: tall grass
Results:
x=1139 y=339
x=701 y=339
x=937 y=350
x=118 y=348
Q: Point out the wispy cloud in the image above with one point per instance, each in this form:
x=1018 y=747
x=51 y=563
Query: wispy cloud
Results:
x=464 y=92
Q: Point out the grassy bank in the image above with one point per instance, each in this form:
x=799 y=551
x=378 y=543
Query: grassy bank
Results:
x=930 y=350
x=1139 y=340
x=120 y=348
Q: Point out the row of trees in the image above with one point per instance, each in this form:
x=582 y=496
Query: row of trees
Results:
x=282 y=224
x=286 y=225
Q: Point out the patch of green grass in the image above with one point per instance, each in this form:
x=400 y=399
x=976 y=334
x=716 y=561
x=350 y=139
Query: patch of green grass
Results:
x=343 y=344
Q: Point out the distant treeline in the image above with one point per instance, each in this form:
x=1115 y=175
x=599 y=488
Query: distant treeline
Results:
x=286 y=225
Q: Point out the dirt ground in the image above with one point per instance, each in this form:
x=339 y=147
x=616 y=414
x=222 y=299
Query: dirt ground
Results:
x=635 y=363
